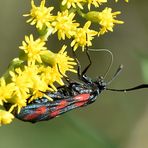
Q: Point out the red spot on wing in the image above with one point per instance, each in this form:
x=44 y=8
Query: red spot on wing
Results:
x=54 y=113
x=39 y=111
x=78 y=104
x=81 y=100
x=82 y=97
x=62 y=104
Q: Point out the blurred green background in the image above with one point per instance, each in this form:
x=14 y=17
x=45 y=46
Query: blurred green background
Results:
x=115 y=120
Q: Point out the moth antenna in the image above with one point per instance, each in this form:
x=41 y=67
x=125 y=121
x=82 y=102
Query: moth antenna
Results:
x=111 y=62
x=116 y=74
x=129 y=89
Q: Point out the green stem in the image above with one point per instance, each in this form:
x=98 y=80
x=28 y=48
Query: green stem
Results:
x=45 y=33
x=80 y=12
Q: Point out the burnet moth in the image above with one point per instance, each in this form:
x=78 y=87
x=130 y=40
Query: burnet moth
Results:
x=71 y=96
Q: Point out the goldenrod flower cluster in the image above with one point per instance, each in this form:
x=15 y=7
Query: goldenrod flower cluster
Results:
x=66 y=26
x=39 y=69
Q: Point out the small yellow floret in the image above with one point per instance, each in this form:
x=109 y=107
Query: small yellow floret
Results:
x=83 y=37
x=107 y=20
x=6 y=91
x=64 y=62
x=41 y=16
x=5 y=117
x=65 y=25
x=33 y=49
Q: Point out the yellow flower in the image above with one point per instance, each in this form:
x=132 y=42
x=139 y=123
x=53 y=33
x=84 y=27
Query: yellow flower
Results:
x=53 y=74
x=73 y=3
x=5 y=117
x=33 y=49
x=96 y=3
x=21 y=87
x=65 y=25
x=36 y=83
x=64 y=62
x=26 y=83
x=48 y=76
x=6 y=91
x=107 y=21
x=41 y=16
x=23 y=84
x=83 y=36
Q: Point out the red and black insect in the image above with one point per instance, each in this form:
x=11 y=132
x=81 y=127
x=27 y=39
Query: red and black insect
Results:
x=68 y=97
